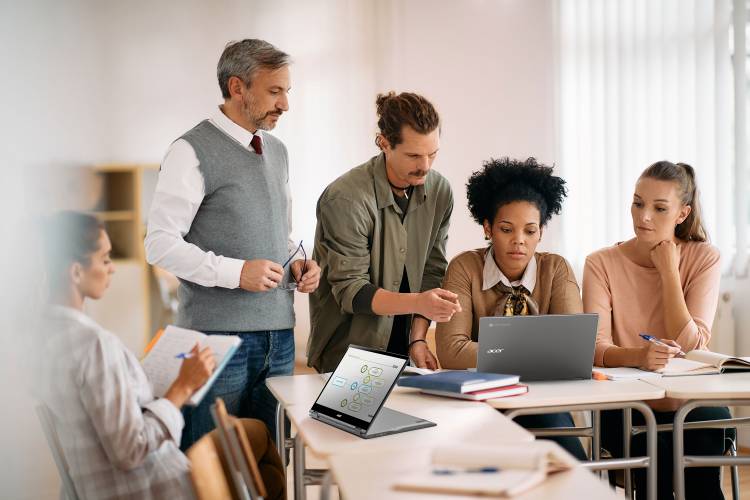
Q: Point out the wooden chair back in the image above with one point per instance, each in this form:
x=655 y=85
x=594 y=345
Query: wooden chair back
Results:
x=206 y=471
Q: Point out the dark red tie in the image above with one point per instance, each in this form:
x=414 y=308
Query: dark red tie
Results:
x=257 y=144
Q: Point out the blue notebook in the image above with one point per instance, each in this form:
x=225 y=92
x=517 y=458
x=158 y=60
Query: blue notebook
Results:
x=162 y=367
x=459 y=381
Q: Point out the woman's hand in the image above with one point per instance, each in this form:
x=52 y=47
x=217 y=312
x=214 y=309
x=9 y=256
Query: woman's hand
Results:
x=194 y=372
x=421 y=355
x=655 y=356
x=666 y=257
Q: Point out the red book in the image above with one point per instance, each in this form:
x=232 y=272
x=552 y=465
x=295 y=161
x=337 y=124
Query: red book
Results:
x=496 y=392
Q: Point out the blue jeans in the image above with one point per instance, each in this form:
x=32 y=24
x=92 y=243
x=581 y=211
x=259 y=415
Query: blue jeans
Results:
x=549 y=420
x=242 y=384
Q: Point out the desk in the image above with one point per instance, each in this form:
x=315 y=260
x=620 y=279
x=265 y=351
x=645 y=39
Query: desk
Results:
x=370 y=476
x=729 y=389
x=478 y=423
x=594 y=396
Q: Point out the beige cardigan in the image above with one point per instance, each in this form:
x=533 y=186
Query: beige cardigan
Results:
x=556 y=292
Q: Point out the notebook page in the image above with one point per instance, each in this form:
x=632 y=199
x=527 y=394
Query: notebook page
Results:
x=676 y=366
x=708 y=357
x=626 y=373
x=222 y=346
x=160 y=364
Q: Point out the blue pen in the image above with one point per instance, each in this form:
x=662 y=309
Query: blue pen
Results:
x=651 y=338
x=184 y=355
x=478 y=470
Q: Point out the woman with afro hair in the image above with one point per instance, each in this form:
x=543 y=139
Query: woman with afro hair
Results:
x=513 y=200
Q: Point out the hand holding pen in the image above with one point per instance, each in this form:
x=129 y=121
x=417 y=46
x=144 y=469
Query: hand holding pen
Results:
x=196 y=368
x=658 y=352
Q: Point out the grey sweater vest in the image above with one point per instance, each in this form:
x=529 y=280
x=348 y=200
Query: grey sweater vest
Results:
x=244 y=216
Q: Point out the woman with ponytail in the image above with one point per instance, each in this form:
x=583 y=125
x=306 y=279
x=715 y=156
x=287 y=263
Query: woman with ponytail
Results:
x=664 y=282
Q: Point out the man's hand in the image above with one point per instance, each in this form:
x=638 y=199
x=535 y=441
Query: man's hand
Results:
x=422 y=356
x=308 y=278
x=260 y=275
x=194 y=372
x=438 y=304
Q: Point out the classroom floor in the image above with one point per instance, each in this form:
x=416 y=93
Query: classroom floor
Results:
x=313 y=492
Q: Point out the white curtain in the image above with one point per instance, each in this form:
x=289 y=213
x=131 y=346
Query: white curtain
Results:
x=641 y=81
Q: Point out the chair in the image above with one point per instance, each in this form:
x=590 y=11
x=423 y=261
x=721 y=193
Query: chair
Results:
x=207 y=472
x=432 y=341
x=53 y=441
x=238 y=454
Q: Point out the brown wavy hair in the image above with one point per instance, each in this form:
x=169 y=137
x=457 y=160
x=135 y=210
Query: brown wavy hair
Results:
x=396 y=110
x=691 y=229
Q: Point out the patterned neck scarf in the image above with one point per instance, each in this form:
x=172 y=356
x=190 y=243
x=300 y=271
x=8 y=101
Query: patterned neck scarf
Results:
x=515 y=301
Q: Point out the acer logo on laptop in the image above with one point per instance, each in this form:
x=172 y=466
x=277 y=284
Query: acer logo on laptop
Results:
x=494 y=351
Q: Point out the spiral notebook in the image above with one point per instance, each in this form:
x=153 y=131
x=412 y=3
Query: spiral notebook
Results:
x=161 y=365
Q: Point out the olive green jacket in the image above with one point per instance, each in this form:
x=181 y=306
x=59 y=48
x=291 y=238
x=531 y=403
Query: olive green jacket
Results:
x=360 y=239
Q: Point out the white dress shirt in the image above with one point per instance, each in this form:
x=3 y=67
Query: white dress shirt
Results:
x=179 y=193
x=118 y=440
x=492 y=275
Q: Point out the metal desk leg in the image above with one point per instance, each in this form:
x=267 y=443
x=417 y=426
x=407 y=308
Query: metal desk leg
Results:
x=281 y=434
x=299 y=468
x=648 y=416
x=627 y=426
x=325 y=486
x=596 y=440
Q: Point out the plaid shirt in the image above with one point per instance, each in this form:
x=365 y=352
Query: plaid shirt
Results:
x=119 y=441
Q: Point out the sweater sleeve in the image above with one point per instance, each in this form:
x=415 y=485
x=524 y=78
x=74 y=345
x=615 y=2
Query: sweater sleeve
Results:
x=565 y=297
x=455 y=348
x=597 y=298
x=701 y=298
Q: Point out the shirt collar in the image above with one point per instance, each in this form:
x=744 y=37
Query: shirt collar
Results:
x=383 y=192
x=492 y=275
x=59 y=311
x=233 y=130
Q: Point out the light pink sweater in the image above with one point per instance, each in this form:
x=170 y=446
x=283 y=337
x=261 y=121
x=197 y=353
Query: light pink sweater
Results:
x=628 y=297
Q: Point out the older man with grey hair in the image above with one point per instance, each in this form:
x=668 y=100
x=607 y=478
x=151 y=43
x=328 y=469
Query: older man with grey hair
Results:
x=221 y=222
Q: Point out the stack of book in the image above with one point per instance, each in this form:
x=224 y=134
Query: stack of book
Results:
x=462 y=384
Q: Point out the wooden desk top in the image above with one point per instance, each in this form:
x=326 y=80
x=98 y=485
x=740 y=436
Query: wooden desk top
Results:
x=724 y=386
x=457 y=422
x=573 y=392
x=297 y=389
x=370 y=477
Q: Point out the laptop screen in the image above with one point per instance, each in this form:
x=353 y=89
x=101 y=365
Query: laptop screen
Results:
x=359 y=385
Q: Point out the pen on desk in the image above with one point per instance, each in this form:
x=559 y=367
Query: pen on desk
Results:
x=651 y=338
x=184 y=355
x=476 y=470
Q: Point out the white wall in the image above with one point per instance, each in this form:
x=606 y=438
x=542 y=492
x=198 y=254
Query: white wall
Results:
x=492 y=80
x=50 y=97
x=89 y=81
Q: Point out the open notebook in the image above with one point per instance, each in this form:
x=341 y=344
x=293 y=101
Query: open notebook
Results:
x=161 y=365
x=498 y=470
x=701 y=362
x=696 y=362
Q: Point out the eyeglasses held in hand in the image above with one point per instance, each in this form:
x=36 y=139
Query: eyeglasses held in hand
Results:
x=292 y=283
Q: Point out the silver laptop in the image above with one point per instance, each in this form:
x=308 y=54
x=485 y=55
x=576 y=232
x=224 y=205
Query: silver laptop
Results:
x=353 y=397
x=544 y=347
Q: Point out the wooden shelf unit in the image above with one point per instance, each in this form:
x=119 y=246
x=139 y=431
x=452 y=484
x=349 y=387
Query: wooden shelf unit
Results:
x=119 y=207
